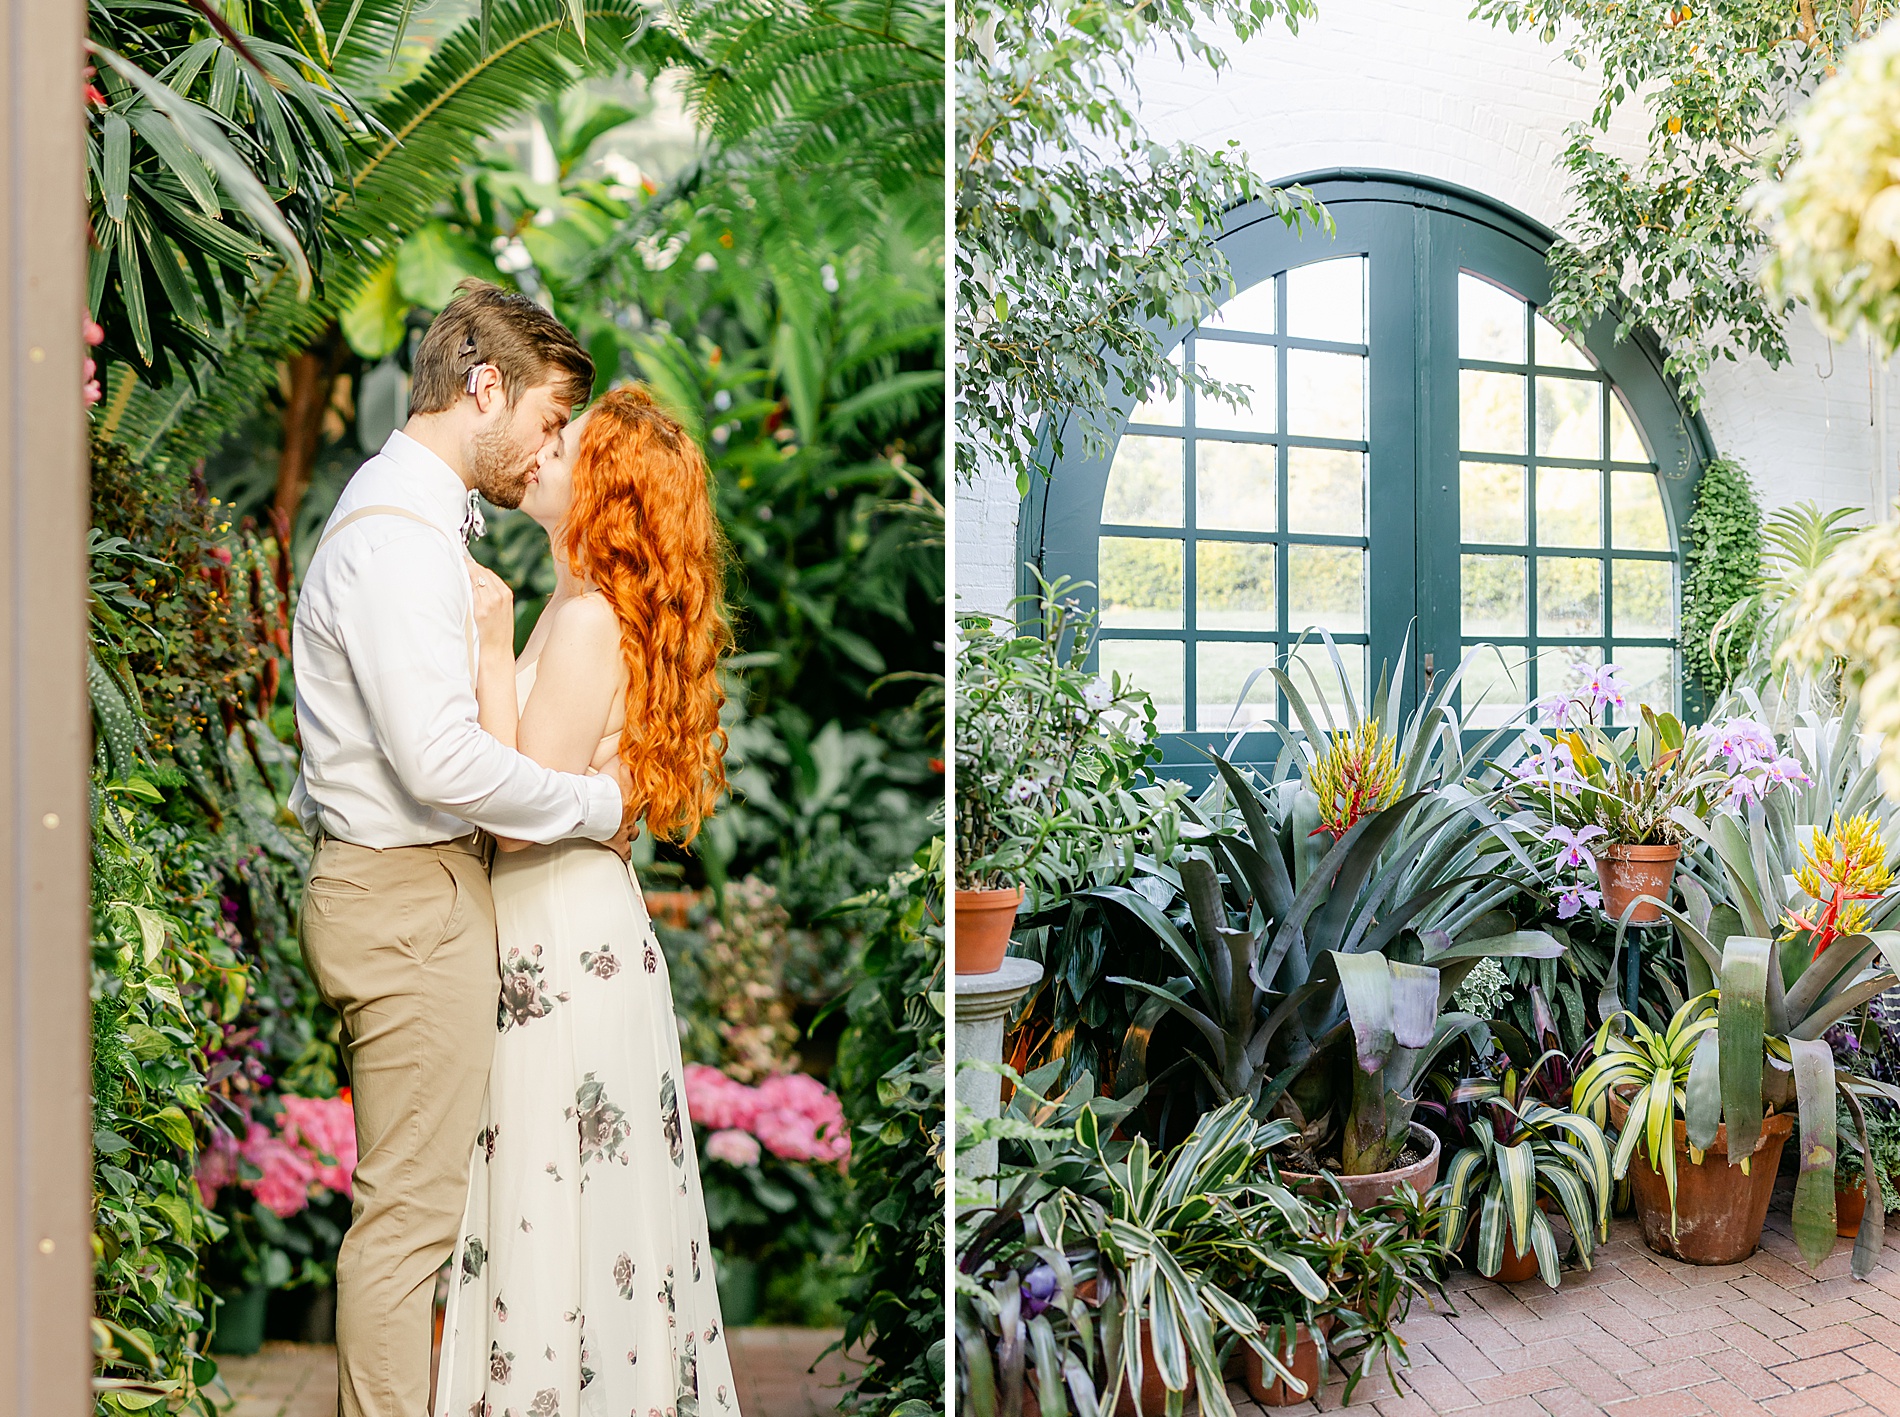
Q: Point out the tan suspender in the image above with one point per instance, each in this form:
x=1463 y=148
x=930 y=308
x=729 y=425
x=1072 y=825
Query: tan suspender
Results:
x=468 y=622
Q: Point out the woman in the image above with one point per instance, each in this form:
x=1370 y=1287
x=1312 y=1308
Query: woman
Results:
x=583 y=1286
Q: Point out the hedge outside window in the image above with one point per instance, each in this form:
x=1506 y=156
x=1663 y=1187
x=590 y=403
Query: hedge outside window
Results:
x=1423 y=453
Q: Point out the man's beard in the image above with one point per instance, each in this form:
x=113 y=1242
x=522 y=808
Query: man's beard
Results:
x=501 y=467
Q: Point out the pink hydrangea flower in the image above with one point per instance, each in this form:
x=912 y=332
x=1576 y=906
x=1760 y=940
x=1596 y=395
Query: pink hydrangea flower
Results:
x=288 y=1171
x=734 y=1147
x=327 y=1126
x=217 y=1167
x=718 y=1102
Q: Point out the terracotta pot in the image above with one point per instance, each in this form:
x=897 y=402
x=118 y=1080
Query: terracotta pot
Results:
x=1375 y=1186
x=1154 y=1393
x=1719 y=1211
x=1514 y=1268
x=1850 y=1207
x=983 y=922
x=1626 y=872
x=1305 y=1366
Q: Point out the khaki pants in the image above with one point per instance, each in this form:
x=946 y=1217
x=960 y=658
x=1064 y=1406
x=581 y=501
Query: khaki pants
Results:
x=402 y=943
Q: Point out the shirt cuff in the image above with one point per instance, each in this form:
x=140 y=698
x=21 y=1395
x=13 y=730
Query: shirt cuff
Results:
x=604 y=807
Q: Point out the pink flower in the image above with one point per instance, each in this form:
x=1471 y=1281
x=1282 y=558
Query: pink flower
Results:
x=1603 y=688
x=734 y=1147
x=718 y=1102
x=218 y=1167
x=327 y=1126
x=1575 y=853
x=801 y=1119
x=288 y=1171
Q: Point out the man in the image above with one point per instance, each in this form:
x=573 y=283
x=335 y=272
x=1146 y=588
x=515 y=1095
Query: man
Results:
x=399 y=785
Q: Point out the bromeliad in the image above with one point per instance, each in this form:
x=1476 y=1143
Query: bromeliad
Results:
x=1359 y=773
x=1841 y=873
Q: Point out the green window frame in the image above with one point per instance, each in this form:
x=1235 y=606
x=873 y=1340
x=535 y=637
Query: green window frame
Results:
x=1426 y=250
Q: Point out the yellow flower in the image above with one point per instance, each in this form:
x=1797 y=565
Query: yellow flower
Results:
x=1357 y=775
x=1852 y=861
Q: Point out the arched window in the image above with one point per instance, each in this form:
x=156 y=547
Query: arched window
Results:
x=1421 y=448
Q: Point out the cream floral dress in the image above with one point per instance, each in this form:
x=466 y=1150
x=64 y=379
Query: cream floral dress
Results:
x=583 y=1285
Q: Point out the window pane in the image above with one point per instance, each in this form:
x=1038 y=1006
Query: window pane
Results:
x=1325 y=394
x=1496 y=685
x=1249 y=365
x=1636 y=512
x=1490 y=412
x=1327 y=300
x=1138 y=581
x=1144 y=483
x=1250 y=311
x=1569 y=507
x=1326 y=491
x=1626 y=444
x=1221 y=669
x=1491 y=595
x=1569 y=418
x=1562 y=669
x=1233 y=585
x=1642 y=598
x=1160 y=406
x=1555 y=348
x=1650 y=673
x=1235 y=485
x=1326 y=587
x=1317 y=678
x=1154 y=665
x=1491 y=503
x=1569 y=596
x=1490 y=322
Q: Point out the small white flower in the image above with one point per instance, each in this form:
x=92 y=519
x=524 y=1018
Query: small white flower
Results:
x=828 y=277
x=705 y=261
x=722 y=400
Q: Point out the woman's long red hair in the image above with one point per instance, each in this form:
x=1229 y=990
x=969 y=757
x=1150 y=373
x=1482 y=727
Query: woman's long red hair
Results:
x=643 y=529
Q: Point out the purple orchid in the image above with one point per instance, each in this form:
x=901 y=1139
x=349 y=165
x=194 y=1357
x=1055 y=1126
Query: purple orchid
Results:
x=1575 y=898
x=1603 y=688
x=1572 y=842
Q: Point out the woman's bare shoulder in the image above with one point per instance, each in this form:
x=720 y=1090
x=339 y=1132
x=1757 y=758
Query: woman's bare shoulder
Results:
x=586 y=624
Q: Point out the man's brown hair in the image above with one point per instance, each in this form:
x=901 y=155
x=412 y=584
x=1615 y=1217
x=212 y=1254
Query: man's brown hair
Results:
x=485 y=324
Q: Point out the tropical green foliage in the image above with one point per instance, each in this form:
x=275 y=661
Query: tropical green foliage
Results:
x=890 y=1076
x=1053 y=764
x=1081 y=240
x=1795 y=541
x=1721 y=576
x=1525 y=1152
x=1666 y=241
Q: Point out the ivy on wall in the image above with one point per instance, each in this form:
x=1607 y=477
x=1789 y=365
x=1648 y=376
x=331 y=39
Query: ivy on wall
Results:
x=1721 y=566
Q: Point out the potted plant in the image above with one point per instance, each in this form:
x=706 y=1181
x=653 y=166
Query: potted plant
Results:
x=1615 y=801
x=1052 y=778
x=1867 y=1166
x=1526 y=1155
x=1701 y=1191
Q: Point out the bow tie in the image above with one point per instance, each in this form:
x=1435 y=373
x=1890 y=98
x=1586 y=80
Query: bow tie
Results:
x=472 y=524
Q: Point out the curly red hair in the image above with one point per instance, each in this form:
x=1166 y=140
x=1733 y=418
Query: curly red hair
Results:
x=643 y=530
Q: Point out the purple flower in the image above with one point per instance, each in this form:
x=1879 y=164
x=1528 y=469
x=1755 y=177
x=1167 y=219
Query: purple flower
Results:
x=1743 y=741
x=1574 y=900
x=1572 y=842
x=1602 y=688
x=1553 y=711
x=1548 y=764
x=1787 y=768
x=1039 y=1289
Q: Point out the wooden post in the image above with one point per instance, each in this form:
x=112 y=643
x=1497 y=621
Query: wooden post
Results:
x=45 y=723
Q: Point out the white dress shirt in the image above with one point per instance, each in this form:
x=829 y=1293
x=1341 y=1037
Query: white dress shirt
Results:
x=393 y=752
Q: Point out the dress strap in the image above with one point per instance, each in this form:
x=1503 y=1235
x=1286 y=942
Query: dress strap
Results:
x=468 y=621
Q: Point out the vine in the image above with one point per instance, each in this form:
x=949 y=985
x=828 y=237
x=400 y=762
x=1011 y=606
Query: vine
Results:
x=1721 y=566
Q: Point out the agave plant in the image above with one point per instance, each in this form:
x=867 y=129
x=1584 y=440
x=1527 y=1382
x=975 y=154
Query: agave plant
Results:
x=1526 y=1150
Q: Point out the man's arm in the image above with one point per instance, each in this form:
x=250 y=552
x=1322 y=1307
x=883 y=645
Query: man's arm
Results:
x=402 y=619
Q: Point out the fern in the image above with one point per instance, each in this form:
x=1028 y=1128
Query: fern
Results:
x=1722 y=570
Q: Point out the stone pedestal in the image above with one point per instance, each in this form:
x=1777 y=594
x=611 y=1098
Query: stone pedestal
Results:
x=983 y=1005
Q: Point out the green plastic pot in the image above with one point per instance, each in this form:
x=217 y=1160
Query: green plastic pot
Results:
x=738 y=1289
x=240 y=1328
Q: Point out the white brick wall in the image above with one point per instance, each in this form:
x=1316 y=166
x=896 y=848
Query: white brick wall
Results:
x=1416 y=86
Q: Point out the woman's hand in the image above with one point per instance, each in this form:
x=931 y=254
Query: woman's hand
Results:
x=494 y=612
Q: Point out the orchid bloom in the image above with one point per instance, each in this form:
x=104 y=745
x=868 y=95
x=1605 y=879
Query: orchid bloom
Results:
x=1575 y=898
x=1572 y=842
x=1603 y=688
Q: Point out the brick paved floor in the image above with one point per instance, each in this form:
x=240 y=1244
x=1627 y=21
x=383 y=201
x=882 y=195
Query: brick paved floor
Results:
x=299 y=1379
x=1647 y=1337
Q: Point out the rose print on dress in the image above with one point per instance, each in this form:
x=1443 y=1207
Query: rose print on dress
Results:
x=486 y=1139
x=600 y=963
x=500 y=1364
x=603 y=1124
x=695 y=1253
x=670 y=1119
x=688 y=1402
x=524 y=996
x=623 y=1275
x=651 y=958
x=474 y=1256
x=547 y=1403
x=666 y=1297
